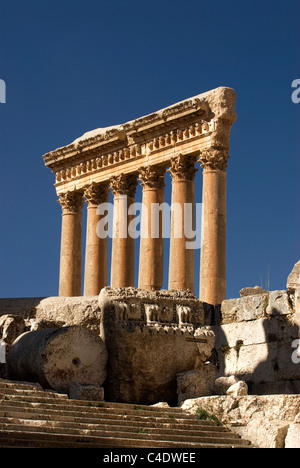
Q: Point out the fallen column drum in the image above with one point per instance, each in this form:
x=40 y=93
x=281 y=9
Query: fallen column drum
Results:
x=56 y=357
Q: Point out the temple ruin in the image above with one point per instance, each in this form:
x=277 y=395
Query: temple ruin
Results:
x=174 y=139
x=120 y=346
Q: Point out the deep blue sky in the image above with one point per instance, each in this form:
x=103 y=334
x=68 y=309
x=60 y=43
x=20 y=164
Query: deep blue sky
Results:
x=72 y=66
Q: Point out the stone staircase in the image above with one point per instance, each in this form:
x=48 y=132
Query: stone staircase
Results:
x=33 y=418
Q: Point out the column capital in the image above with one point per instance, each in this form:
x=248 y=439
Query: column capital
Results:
x=152 y=177
x=183 y=167
x=96 y=194
x=71 y=202
x=124 y=184
x=214 y=159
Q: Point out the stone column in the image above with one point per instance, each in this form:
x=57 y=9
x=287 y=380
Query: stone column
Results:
x=70 y=253
x=181 y=266
x=213 y=250
x=123 y=245
x=151 y=262
x=95 y=274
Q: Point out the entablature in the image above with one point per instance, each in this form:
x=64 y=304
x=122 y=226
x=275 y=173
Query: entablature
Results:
x=186 y=128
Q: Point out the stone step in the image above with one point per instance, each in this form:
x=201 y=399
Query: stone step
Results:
x=100 y=429
x=140 y=434
x=34 y=397
x=33 y=393
x=24 y=393
x=4 y=383
x=93 y=407
x=40 y=439
x=87 y=414
x=46 y=440
x=34 y=418
x=75 y=417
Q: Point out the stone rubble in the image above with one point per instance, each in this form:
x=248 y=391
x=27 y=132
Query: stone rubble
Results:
x=268 y=421
x=293 y=281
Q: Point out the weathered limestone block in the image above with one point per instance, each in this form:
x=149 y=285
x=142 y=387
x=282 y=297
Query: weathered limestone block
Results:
x=222 y=384
x=245 y=308
x=279 y=303
x=11 y=326
x=267 y=433
x=293 y=281
x=250 y=333
x=254 y=363
x=82 y=311
x=56 y=357
x=23 y=306
x=205 y=339
x=151 y=345
x=252 y=291
x=41 y=324
x=249 y=350
x=297 y=308
x=255 y=340
x=195 y=383
x=86 y=392
x=293 y=434
x=161 y=404
x=287 y=369
x=51 y=312
x=238 y=389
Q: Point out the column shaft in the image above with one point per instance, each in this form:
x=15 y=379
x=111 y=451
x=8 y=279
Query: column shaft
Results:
x=151 y=262
x=70 y=253
x=213 y=250
x=181 y=264
x=95 y=275
x=123 y=245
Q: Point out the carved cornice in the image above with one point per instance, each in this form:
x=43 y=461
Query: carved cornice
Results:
x=124 y=184
x=214 y=159
x=196 y=106
x=97 y=162
x=71 y=202
x=183 y=167
x=186 y=127
x=152 y=177
x=96 y=194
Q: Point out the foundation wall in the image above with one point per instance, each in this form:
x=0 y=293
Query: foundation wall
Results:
x=256 y=341
x=256 y=336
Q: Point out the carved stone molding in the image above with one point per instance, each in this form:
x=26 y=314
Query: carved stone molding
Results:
x=214 y=159
x=132 y=151
x=165 y=307
x=124 y=184
x=71 y=202
x=152 y=177
x=187 y=127
x=183 y=167
x=96 y=194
